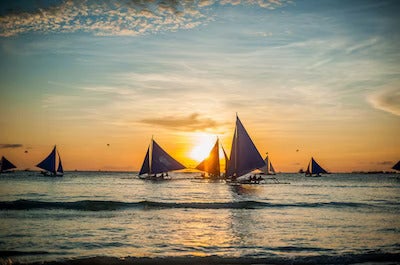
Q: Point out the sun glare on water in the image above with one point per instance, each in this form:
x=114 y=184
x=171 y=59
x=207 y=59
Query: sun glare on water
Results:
x=203 y=144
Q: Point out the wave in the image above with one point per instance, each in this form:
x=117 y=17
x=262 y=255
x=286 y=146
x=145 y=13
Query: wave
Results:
x=10 y=253
x=98 y=205
x=374 y=257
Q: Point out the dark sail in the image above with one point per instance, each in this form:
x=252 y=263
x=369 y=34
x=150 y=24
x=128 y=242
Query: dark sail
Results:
x=211 y=163
x=5 y=164
x=161 y=161
x=317 y=169
x=397 y=166
x=49 y=163
x=226 y=160
x=244 y=154
x=314 y=168
x=60 y=167
x=146 y=164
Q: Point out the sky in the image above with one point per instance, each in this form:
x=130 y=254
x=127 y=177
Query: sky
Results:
x=99 y=79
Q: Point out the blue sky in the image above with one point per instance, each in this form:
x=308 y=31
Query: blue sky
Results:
x=322 y=76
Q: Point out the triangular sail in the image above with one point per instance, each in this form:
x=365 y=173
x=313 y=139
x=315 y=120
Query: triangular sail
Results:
x=226 y=160
x=211 y=163
x=268 y=168
x=231 y=168
x=265 y=169
x=244 y=154
x=49 y=163
x=271 y=168
x=308 y=171
x=60 y=167
x=5 y=164
x=315 y=168
x=397 y=166
x=146 y=163
x=161 y=161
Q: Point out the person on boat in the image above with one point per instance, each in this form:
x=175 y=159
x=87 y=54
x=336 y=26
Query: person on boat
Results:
x=234 y=176
x=256 y=179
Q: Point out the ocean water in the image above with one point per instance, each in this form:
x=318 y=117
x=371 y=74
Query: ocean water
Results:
x=336 y=219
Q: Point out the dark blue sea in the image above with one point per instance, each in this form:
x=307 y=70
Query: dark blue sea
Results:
x=116 y=218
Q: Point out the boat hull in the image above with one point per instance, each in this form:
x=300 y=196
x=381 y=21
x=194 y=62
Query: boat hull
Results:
x=154 y=177
x=51 y=174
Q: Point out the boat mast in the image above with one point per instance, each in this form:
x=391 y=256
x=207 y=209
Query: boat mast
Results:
x=236 y=145
x=151 y=153
x=55 y=160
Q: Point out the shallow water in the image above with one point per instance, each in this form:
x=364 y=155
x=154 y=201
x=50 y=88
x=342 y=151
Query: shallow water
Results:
x=340 y=218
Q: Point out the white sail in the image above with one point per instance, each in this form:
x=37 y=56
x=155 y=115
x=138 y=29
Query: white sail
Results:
x=268 y=168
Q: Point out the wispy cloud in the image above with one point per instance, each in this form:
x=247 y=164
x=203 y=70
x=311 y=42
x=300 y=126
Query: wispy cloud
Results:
x=4 y=146
x=117 y=17
x=193 y=122
x=386 y=99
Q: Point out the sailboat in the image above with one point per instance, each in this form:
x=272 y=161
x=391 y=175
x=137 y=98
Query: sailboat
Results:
x=244 y=156
x=396 y=166
x=158 y=161
x=226 y=161
x=268 y=169
x=6 y=165
x=211 y=164
x=314 y=169
x=49 y=164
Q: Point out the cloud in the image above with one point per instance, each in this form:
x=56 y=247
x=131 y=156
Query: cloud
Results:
x=4 y=146
x=386 y=99
x=123 y=18
x=193 y=122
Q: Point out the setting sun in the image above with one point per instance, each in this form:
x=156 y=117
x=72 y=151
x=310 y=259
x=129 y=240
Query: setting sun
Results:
x=203 y=145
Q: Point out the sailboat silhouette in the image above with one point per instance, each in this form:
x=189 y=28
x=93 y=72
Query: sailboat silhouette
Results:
x=49 y=164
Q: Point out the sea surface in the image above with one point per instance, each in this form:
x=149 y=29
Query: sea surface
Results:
x=118 y=218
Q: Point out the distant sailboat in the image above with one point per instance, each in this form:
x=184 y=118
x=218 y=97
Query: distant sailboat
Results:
x=244 y=156
x=211 y=164
x=268 y=169
x=49 y=164
x=314 y=169
x=396 y=166
x=6 y=165
x=158 y=161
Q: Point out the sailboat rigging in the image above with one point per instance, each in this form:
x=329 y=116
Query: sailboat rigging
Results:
x=244 y=156
x=6 y=165
x=158 y=161
x=314 y=169
x=49 y=164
